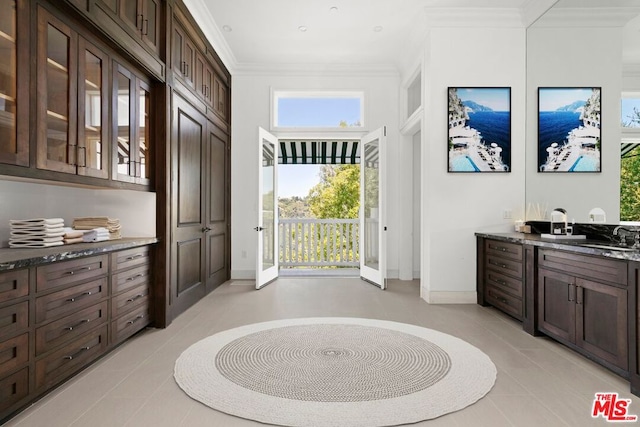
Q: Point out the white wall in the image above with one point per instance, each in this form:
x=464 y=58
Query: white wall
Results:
x=583 y=57
x=251 y=108
x=455 y=206
x=21 y=200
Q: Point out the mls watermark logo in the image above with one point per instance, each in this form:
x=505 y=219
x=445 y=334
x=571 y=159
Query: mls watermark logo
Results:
x=612 y=409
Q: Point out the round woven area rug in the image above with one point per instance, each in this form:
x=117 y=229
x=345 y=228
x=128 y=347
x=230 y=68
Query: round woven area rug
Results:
x=332 y=371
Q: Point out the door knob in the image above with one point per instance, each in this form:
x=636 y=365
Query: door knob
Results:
x=259 y=228
x=206 y=229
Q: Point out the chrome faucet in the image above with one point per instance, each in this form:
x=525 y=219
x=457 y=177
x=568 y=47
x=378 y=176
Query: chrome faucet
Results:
x=623 y=240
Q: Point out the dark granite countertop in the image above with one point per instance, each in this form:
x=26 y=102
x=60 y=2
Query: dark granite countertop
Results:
x=18 y=258
x=578 y=246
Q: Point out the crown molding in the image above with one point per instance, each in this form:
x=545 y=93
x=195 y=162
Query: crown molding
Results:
x=534 y=9
x=474 y=17
x=209 y=27
x=587 y=17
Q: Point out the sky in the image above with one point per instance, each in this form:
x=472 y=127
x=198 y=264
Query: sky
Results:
x=628 y=105
x=550 y=99
x=317 y=112
x=497 y=99
x=297 y=180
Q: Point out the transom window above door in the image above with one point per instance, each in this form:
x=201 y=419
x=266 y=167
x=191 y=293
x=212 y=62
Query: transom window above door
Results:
x=317 y=110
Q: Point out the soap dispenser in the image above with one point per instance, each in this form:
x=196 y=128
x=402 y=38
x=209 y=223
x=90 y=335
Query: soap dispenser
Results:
x=559 y=221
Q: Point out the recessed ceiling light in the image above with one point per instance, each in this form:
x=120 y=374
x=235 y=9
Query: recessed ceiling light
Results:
x=227 y=28
x=333 y=9
x=302 y=28
x=377 y=28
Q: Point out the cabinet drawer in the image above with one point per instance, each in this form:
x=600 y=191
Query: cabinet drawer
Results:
x=505 y=302
x=14 y=284
x=130 y=258
x=504 y=266
x=13 y=353
x=69 y=300
x=129 y=300
x=129 y=279
x=589 y=267
x=14 y=388
x=503 y=282
x=504 y=249
x=64 y=273
x=130 y=323
x=70 y=327
x=71 y=358
x=14 y=319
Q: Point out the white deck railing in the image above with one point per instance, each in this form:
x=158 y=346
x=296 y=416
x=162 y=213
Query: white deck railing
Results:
x=319 y=242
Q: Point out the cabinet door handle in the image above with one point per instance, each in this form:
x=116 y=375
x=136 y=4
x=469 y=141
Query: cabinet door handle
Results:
x=131 y=322
x=139 y=20
x=83 y=157
x=579 y=296
x=129 y=279
x=74 y=299
x=76 y=354
x=72 y=272
x=82 y=322
x=132 y=257
x=135 y=298
x=145 y=32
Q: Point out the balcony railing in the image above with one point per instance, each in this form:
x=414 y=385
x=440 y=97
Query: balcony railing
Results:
x=319 y=242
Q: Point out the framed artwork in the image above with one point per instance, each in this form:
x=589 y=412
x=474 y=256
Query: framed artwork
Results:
x=479 y=130
x=569 y=129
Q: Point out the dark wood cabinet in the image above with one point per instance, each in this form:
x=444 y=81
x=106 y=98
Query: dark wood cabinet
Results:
x=501 y=276
x=140 y=18
x=183 y=55
x=72 y=101
x=579 y=310
x=132 y=141
x=220 y=98
x=14 y=84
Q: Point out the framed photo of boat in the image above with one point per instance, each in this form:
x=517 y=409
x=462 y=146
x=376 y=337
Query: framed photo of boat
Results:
x=569 y=129
x=479 y=129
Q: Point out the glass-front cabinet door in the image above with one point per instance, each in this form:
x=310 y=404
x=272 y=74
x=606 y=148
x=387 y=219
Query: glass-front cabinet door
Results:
x=132 y=139
x=93 y=111
x=14 y=75
x=56 y=95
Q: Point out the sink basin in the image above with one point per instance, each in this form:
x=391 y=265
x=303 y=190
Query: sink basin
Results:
x=609 y=247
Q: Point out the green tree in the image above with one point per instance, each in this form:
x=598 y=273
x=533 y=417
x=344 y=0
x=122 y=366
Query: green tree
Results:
x=338 y=193
x=293 y=207
x=630 y=186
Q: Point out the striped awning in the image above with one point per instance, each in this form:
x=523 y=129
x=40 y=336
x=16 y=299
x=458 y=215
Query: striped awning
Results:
x=629 y=149
x=300 y=152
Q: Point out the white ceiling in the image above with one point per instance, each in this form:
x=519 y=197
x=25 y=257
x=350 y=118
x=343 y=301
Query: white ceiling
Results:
x=266 y=32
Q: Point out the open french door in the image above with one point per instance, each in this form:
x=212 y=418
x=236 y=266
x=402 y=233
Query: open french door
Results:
x=373 y=263
x=268 y=250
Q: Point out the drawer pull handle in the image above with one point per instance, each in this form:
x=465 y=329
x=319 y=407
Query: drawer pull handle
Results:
x=503 y=249
x=502 y=300
x=86 y=294
x=78 y=353
x=131 y=322
x=502 y=282
x=132 y=257
x=135 y=298
x=82 y=322
x=129 y=279
x=72 y=272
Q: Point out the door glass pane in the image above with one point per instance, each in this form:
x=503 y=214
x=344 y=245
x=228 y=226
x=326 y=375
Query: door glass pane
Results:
x=143 y=133
x=57 y=95
x=124 y=132
x=371 y=204
x=268 y=204
x=8 y=78
x=93 y=111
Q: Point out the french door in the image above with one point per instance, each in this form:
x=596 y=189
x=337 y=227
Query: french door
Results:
x=373 y=227
x=267 y=228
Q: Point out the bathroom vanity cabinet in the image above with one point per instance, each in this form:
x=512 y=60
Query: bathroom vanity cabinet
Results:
x=585 y=298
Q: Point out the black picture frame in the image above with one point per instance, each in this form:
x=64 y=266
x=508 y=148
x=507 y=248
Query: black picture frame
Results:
x=570 y=129
x=479 y=129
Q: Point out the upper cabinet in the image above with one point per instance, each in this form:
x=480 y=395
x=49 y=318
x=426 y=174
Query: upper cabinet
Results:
x=72 y=101
x=131 y=126
x=183 y=55
x=14 y=85
x=139 y=17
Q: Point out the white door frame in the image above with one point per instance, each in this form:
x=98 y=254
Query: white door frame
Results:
x=267 y=153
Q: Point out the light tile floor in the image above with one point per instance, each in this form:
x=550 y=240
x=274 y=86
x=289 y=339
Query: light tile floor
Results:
x=540 y=382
